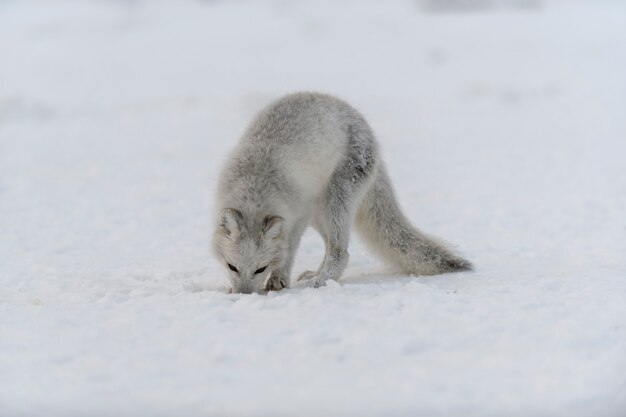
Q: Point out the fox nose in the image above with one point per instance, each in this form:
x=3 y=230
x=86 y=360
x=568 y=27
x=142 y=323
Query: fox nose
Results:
x=243 y=288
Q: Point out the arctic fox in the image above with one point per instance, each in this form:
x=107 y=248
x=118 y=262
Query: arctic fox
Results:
x=311 y=159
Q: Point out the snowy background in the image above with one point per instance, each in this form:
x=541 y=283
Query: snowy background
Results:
x=503 y=124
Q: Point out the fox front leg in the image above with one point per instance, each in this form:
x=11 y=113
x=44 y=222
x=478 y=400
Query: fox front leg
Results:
x=277 y=282
x=336 y=235
x=279 y=279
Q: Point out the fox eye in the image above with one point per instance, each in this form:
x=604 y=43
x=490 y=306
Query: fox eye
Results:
x=258 y=271
x=232 y=268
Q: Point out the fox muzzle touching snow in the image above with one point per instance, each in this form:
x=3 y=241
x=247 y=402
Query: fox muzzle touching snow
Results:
x=250 y=251
x=311 y=159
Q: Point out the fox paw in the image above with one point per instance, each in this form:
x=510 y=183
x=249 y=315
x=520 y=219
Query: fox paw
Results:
x=312 y=279
x=276 y=283
x=316 y=283
x=307 y=275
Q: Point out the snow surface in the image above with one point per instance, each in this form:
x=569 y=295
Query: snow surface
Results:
x=504 y=130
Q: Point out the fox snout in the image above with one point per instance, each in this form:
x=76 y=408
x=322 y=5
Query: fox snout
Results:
x=243 y=290
x=245 y=287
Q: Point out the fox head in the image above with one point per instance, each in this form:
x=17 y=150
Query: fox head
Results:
x=250 y=249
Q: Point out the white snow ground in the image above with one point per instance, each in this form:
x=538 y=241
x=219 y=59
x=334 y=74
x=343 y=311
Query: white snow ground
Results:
x=504 y=130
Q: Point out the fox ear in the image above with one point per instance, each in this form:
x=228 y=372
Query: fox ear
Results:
x=231 y=220
x=272 y=227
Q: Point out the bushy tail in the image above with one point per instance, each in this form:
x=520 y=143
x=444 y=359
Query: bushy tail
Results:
x=389 y=233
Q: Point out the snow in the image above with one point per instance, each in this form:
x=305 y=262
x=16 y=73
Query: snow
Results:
x=504 y=133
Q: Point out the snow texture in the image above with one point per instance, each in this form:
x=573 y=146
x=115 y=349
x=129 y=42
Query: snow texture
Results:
x=504 y=131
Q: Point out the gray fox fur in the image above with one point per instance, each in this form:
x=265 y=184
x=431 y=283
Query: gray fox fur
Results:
x=311 y=159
